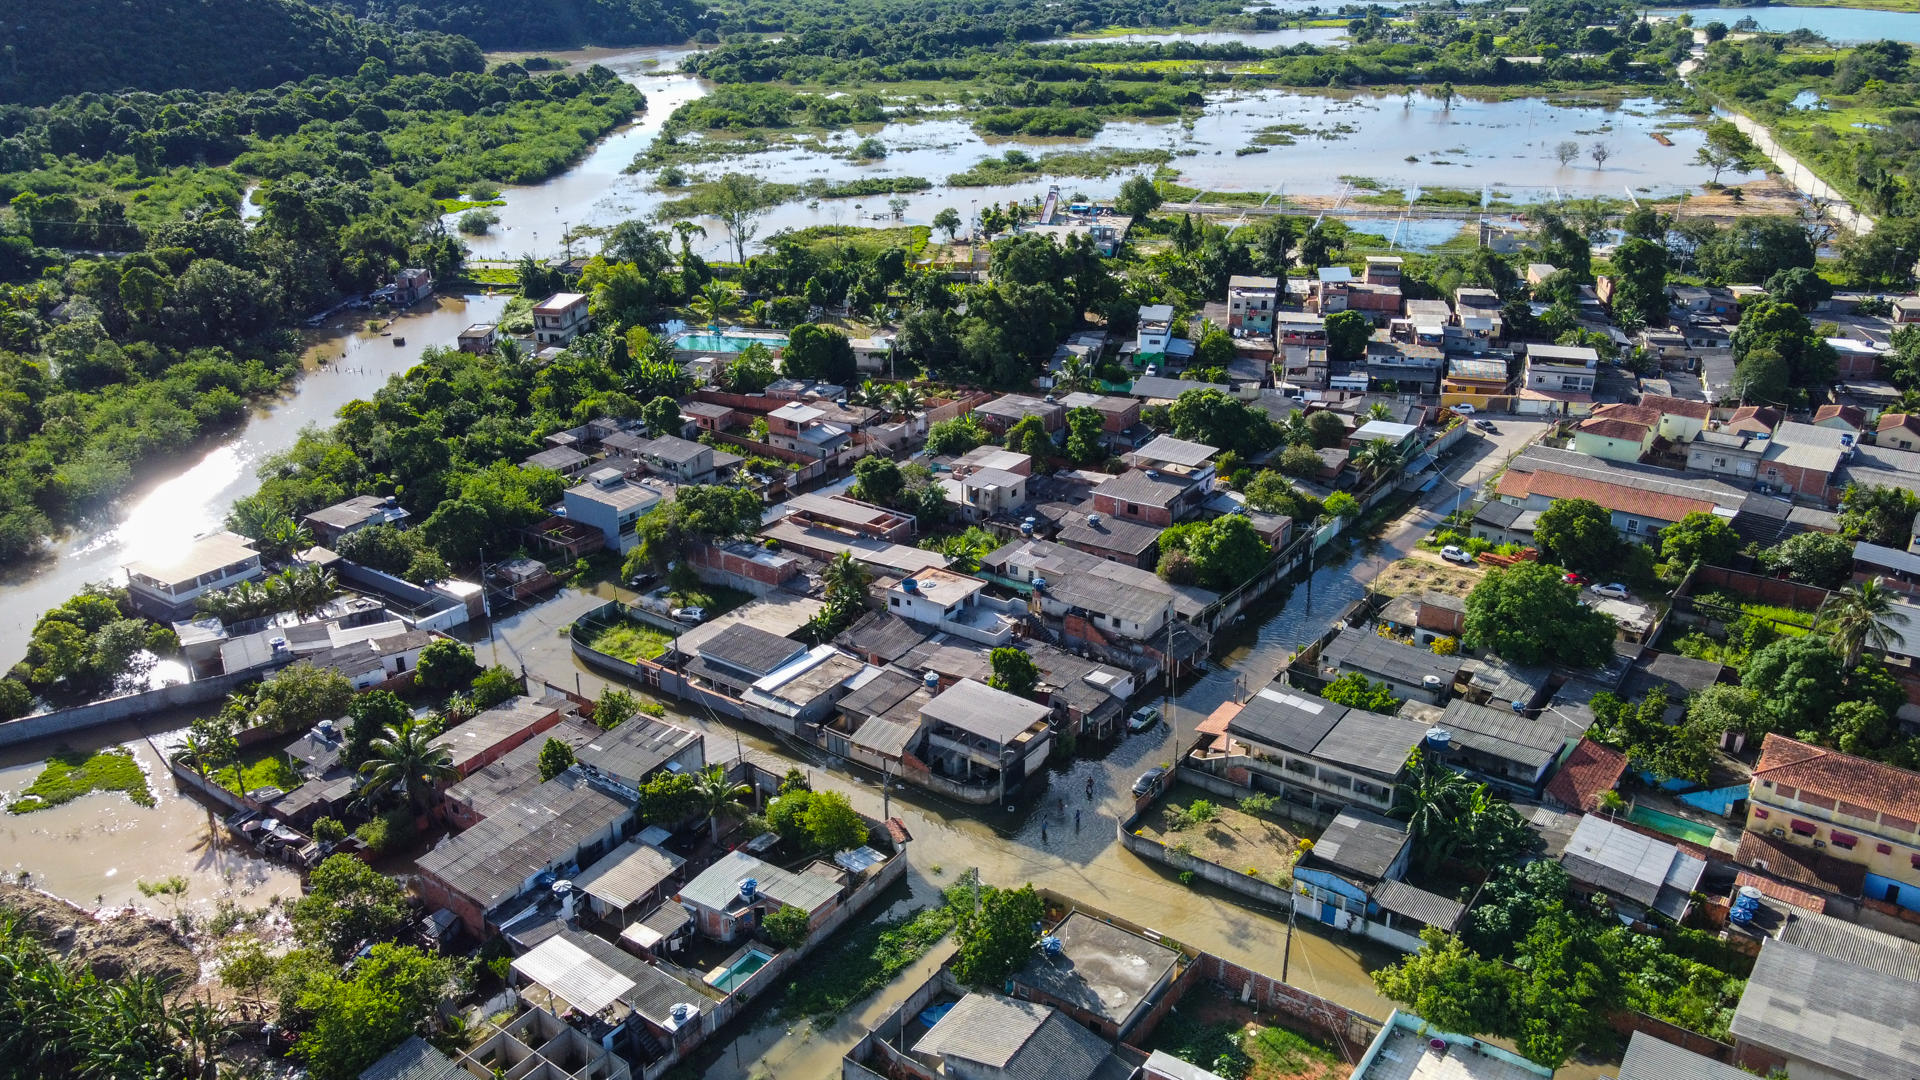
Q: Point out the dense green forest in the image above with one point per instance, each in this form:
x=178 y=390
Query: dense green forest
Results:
x=109 y=363
x=75 y=46
x=543 y=24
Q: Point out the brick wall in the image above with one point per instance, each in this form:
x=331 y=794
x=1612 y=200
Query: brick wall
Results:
x=1627 y=1022
x=1347 y=1029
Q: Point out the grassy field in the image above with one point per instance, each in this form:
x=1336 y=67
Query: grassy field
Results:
x=261 y=768
x=1230 y=837
x=1220 y=1034
x=70 y=774
x=631 y=641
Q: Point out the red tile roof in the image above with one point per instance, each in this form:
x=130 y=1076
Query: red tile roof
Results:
x=1552 y=485
x=1800 y=898
x=1800 y=866
x=1835 y=775
x=1590 y=770
x=1673 y=406
x=1753 y=418
x=1891 y=420
x=1216 y=722
x=1852 y=414
x=1610 y=427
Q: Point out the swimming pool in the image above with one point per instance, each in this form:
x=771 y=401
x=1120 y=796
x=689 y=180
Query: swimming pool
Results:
x=1673 y=826
x=721 y=341
x=731 y=978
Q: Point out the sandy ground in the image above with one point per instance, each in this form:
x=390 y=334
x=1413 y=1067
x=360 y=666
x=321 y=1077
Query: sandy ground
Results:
x=110 y=947
x=1424 y=570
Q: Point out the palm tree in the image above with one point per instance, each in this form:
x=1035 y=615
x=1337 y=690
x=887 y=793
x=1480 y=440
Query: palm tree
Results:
x=509 y=351
x=1378 y=411
x=869 y=394
x=1431 y=801
x=308 y=588
x=205 y=757
x=905 y=401
x=1859 y=616
x=1074 y=374
x=719 y=797
x=685 y=230
x=405 y=758
x=842 y=576
x=1294 y=429
x=712 y=302
x=284 y=537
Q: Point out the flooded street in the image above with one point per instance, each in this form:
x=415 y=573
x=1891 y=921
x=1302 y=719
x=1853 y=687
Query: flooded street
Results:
x=94 y=850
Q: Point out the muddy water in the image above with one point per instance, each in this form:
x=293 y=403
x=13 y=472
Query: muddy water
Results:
x=164 y=517
x=1322 y=36
x=94 y=849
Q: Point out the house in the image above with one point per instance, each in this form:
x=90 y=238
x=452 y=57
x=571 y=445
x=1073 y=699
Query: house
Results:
x=1695 y=300
x=1426 y=616
x=744 y=565
x=1404 y=368
x=1473 y=381
x=1409 y=1048
x=1854 y=359
x=331 y=523
x=950 y=602
x=988 y=1037
x=730 y=898
x=1727 y=453
x=617 y=1008
x=168 y=589
x=560 y=318
x=479 y=873
x=880 y=638
x=1801 y=459
x=628 y=882
x=1305 y=328
x=994 y=457
x=1812 y=1013
x=1103 y=977
x=1351 y=879
x=1539 y=272
x=564 y=460
x=1180 y=458
x=412 y=285
x=849 y=514
x=1901 y=431
x=1496 y=744
x=1851 y=419
x=1859 y=811
x=1153 y=334
x=1315 y=754
x=1668 y=346
x=480 y=338
x=680 y=460
x=800 y=695
x=1639 y=873
x=1753 y=420
x=1158 y=389
x=708 y=416
x=870 y=354
x=1565 y=368
x=1093 y=596
x=1650 y=1058
x=1895 y=568
x=1641 y=499
x=1251 y=302
x=804 y=429
x=613 y=504
x=1589 y=772
x=372 y=656
x=1501 y=523
x=741 y=655
x=1617 y=432
x=984 y=493
x=623 y=759
x=1473 y=303
x=1111 y=538
x=1906 y=309
x=1302 y=367
x=1150 y=497
x=1414 y=674
x=1400 y=436
x=505 y=782
x=981 y=738
x=1119 y=416
x=1003 y=412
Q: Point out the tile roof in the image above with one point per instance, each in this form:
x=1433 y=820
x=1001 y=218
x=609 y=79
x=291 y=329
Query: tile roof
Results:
x=1588 y=772
x=1878 y=787
x=1844 y=1019
x=1673 y=406
x=1800 y=866
x=1853 y=415
x=1888 y=421
x=1615 y=427
x=1628 y=500
x=1777 y=890
x=1430 y=908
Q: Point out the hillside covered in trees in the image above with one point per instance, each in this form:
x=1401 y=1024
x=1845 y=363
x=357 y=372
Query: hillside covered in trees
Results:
x=542 y=24
x=77 y=46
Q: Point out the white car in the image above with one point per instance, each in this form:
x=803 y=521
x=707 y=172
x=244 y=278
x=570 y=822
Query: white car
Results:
x=1613 y=590
x=1455 y=554
x=1143 y=718
x=1462 y=409
x=689 y=614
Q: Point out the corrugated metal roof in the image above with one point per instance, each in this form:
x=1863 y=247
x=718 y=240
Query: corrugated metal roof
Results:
x=1649 y=1058
x=632 y=871
x=566 y=971
x=718 y=886
x=415 y=1059
x=1854 y=944
x=1845 y=1018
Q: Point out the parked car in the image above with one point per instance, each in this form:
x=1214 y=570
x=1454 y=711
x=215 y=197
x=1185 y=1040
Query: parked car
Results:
x=1455 y=554
x=1612 y=589
x=1149 y=779
x=1573 y=577
x=1485 y=425
x=689 y=614
x=1143 y=718
x=1463 y=409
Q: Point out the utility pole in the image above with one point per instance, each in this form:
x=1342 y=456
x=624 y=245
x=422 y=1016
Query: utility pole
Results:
x=1286 y=956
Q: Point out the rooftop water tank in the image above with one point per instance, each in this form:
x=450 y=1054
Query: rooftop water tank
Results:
x=749 y=888
x=1438 y=739
x=1431 y=682
x=1039 y=584
x=682 y=1012
x=908 y=585
x=931 y=679
x=1093 y=521
x=1051 y=945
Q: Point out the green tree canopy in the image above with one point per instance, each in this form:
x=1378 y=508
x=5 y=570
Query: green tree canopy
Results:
x=996 y=940
x=1526 y=614
x=1699 y=537
x=1014 y=671
x=347 y=903
x=1815 y=558
x=1579 y=533
x=1224 y=553
x=446 y=664
x=556 y=757
x=819 y=352
x=1347 y=335
x=1356 y=691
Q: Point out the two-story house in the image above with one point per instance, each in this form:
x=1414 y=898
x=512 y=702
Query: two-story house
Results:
x=560 y=318
x=1307 y=328
x=681 y=460
x=1251 y=302
x=1314 y=753
x=1094 y=596
x=1801 y=460
x=805 y=430
x=1859 y=811
x=1150 y=497
x=1154 y=332
x=951 y=602
x=1569 y=369
x=613 y=504
x=986 y=739
x=168 y=589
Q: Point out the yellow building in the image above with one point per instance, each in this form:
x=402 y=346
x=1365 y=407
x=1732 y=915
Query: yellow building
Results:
x=1858 y=811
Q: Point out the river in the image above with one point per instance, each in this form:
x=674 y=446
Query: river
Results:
x=1842 y=26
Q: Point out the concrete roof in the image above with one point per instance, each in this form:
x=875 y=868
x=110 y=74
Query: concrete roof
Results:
x=1100 y=968
x=205 y=555
x=979 y=709
x=1017 y=1039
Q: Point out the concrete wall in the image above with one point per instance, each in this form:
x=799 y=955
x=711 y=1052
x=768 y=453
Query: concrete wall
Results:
x=1245 y=884
x=62 y=722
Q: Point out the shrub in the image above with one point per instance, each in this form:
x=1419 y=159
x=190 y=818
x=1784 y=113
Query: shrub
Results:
x=786 y=927
x=329 y=830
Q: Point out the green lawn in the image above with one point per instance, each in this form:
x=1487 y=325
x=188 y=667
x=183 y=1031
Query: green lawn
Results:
x=630 y=641
x=70 y=774
x=262 y=768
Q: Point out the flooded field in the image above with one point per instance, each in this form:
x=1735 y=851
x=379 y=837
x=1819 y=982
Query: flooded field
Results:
x=1842 y=26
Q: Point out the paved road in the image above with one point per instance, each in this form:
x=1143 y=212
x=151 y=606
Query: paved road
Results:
x=1039 y=842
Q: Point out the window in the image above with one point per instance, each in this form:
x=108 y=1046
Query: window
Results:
x=1759 y=814
x=893 y=601
x=1843 y=840
x=1883 y=849
x=1804 y=828
x=1913 y=860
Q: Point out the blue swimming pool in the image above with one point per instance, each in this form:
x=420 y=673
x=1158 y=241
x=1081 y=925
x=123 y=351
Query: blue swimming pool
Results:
x=721 y=341
x=728 y=979
x=1673 y=826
